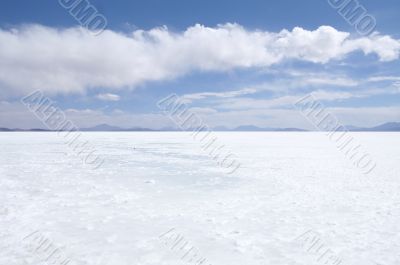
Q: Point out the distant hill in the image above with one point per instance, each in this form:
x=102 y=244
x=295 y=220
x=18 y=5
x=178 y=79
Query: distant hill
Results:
x=101 y=127
x=290 y=130
x=97 y=128
x=386 y=127
x=11 y=130
x=252 y=128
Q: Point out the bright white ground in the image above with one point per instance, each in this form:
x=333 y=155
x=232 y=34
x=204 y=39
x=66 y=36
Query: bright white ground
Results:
x=289 y=183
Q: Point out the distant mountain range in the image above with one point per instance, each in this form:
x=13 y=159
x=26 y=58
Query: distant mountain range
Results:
x=252 y=128
x=97 y=128
x=386 y=127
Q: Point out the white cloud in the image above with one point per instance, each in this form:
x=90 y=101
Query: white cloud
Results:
x=283 y=86
x=334 y=95
x=245 y=103
x=366 y=116
x=108 y=97
x=384 y=78
x=285 y=117
x=72 y=60
x=201 y=111
x=235 y=100
x=344 y=82
x=254 y=103
x=188 y=98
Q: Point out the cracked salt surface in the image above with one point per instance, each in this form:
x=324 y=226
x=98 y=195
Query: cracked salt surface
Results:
x=289 y=183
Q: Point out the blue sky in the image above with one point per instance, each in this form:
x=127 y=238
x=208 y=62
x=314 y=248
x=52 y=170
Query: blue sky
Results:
x=235 y=62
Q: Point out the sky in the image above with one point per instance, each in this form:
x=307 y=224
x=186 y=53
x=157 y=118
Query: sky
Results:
x=232 y=62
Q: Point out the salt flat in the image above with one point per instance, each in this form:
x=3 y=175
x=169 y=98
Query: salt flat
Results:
x=289 y=184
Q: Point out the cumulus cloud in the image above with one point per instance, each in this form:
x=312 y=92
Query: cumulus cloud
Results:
x=108 y=97
x=72 y=60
